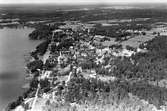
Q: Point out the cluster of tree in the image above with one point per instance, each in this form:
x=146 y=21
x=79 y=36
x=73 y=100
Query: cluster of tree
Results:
x=119 y=31
x=111 y=31
x=80 y=89
x=45 y=85
x=102 y=71
x=130 y=48
x=58 y=37
x=34 y=65
x=49 y=65
x=116 y=46
x=14 y=104
x=88 y=64
x=34 y=54
x=63 y=45
x=158 y=46
x=42 y=47
x=34 y=83
x=66 y=43
x=42 y=32
x=153 y=94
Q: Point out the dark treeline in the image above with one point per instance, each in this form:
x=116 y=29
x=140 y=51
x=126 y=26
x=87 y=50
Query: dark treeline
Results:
x=119 y=31
x=81 y=89
x=42 y=32
x=85 y=15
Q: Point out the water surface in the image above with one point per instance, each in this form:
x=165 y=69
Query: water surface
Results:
x=14 y=43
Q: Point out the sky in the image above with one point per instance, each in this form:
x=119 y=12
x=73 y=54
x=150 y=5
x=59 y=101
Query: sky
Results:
x=81 y=1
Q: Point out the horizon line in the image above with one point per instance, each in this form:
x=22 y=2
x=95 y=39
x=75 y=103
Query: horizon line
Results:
x=83 y=3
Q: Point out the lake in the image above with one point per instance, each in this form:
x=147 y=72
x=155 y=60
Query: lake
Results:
x=14 y=44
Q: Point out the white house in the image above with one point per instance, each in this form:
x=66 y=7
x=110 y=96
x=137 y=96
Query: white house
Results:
x=124 y=52
x=46 y=74
x=142 y=50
